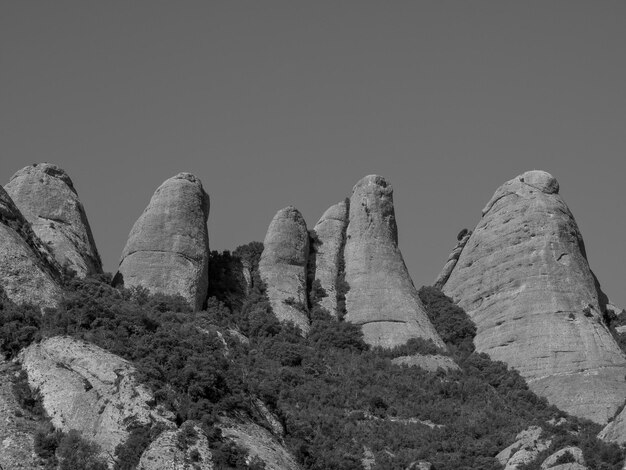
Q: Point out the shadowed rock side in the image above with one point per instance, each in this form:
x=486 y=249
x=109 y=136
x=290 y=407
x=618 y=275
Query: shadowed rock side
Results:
x=283 y=266
x=45 y=195
x=524 y=279
x=382 y=297
x=330 y=232
x=28 y=271
x=86 y=388
x=168 y=247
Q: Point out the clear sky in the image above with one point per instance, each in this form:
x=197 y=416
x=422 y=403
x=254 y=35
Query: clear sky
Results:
x=277 y=103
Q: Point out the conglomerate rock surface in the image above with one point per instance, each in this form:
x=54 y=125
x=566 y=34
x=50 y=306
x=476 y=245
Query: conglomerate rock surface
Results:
x=28 y=271
x=524 y=279
x=381 y=296
x=330 y=231
x=45 y=195
x=283 y=266
x=168 y=247
x=86 y=388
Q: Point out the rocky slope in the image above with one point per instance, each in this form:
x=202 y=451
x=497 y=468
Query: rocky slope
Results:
x=330 y=233
x=381 y=297
x=524 y=279
x=283 y=266
x=45 y=195
x=28 y=271
x=168 y=247
x=86 y=388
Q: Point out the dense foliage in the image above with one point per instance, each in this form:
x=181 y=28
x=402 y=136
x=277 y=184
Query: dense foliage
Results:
x=334 y=396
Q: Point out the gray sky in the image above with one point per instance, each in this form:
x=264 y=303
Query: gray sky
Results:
x=277 y=103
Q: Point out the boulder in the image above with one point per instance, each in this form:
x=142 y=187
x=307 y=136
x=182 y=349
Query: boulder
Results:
x=86 y=388
x=28 y=271
x=283 y=267
x=524 y=279
x=330 y=234
x=527 y=446
x=381 y=296
x=45 y=195
x=168 y=247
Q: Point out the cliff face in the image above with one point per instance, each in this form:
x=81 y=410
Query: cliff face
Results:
x=330 y=231
x=28 y=271
x=45 y=195
x=381 y=297
x=283 y=266
x=524 y=279
x=168 y=247
x=86 y=388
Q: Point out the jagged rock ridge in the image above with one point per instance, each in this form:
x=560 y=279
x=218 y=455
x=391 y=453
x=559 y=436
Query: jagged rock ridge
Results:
x=45 y=195
x=28 y=271
x=381 y=297
x=283 y=266
x=168 y=247
x=524 y=279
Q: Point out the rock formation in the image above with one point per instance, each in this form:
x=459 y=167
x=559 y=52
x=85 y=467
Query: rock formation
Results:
x=45 y=195
x=28 y=271
x=86 y=388
x=331 y=233
x=527 y=446
x=283 y=266
x=166 y=451
x=168 y=247
x=524 y=279
x=452 y=259
x=381 y=296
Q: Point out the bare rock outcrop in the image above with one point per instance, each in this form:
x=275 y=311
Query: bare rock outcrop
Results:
x=527 y=446
x=86 y=388
x=524 y=279
x=168 y=247
x=615 y=431
x=186 y=448
x=452 y=259
x=45 y=195
x=28 y=271
x=330 y=231
x=381 y=296
x=283 y=266
x=575 y=453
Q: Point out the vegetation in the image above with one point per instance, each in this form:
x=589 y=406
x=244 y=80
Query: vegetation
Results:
x=332 y=393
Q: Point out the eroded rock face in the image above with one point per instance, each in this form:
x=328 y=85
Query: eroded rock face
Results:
x=168 y=247
x=527 y=446
x=452 y=259
x=86 y=388
x=45 y=195
x=166 y=452
x=283 y=266
x=524 y=279
x=28 y=271
x=259 y=443
x=381 y=297
x=331 y=233
x=574 y=452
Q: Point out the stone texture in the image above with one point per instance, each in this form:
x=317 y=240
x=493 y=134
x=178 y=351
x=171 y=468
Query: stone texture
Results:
x=527 y=446
x=86 y=388
x=168 y=247
x=615 y=431
x=429 y=363
x=45 y=195
x=165 y=452
x=381 y=297
x=283 y=266
x=260 y=443
x=28 y=271
x=524 y=279
x=328 y=250
x=575 y=452
x=452 y=260
x=17 y=426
